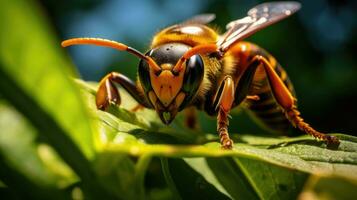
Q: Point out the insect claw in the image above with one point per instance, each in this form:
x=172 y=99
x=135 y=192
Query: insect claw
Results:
x=228 y=144
x=102 y=107
x=332 y=142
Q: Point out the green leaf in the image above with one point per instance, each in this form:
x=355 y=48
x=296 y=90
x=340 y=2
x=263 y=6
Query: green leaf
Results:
x=32 y=59
x=270 y=181
x=187 y=183
x=330 y=187
x=29 y=189
x=22 y=168
x=38 y=162
x=203 y=167
x=257 y=167
x=117 y=173
x=36 y=80
x=122 y=175
x=16 y=132
x=232 y=178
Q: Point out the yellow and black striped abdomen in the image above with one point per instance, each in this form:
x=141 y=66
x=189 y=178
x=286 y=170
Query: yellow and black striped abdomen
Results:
x=266 y=110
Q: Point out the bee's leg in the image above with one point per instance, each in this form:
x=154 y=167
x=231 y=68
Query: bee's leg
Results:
x=253 y=97
x=107 y=92
x=228 y=96
x=286 y=100
x=191 y=118
x=137 y=108
x=223 y=102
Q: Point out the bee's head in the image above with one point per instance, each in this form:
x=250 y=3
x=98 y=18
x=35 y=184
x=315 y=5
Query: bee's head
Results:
x=172 y=87
x=169 y=74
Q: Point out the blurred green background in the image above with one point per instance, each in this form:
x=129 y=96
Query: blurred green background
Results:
x=316 y=46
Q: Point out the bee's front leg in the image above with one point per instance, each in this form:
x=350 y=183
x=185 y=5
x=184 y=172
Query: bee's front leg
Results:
x=224 y=99
x=191 y=118
x=107 y=92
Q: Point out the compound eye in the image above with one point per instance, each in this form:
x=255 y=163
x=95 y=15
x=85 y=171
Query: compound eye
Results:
x=144 y=75
x=193 y=74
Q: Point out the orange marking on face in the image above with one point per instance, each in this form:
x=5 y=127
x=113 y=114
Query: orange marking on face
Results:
x=166 y=66
x=166 y=86
x=152 y=98
x=179 y=99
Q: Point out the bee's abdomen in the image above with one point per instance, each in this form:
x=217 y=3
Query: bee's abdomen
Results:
x=266 y=109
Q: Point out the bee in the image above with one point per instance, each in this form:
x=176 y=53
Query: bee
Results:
x=190 y=66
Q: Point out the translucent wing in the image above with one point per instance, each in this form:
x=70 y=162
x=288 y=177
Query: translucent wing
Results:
x=200 y=19
x=258 y=18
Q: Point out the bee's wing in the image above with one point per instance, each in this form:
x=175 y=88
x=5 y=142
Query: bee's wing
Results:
x=200 y=19
x=258 y=18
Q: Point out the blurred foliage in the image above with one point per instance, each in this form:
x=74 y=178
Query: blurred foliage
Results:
x=54 y=143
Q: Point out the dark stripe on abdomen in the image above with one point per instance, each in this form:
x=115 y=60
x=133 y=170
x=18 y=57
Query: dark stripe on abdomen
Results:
x=268 y=112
